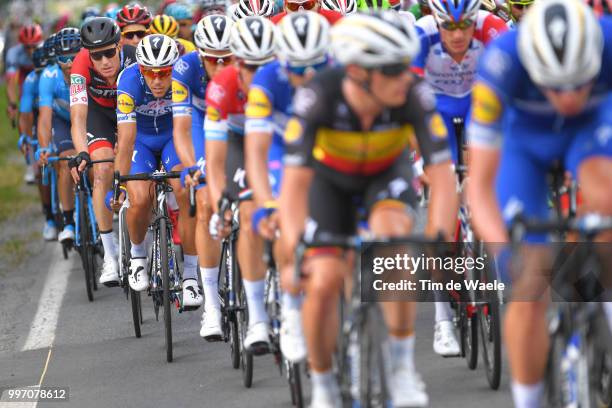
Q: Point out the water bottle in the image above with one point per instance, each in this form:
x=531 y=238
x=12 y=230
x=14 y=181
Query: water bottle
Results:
x=354 y=365
x=569 y=371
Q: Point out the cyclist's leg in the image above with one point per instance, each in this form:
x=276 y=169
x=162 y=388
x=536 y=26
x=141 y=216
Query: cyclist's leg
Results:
x=63 y=142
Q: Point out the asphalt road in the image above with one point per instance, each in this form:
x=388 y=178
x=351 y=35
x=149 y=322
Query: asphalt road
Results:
x=51 y=334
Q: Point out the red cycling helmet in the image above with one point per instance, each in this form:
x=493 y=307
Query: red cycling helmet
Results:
x=133 y=15
x=30 y=34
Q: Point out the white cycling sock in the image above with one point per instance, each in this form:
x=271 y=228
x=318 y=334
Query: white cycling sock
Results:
x=402 y=350
x=527 y=395
x=109 y=243
x=190 y=267
x=210 y=283
x=138 y=250
x=255 y=300
x=443 y=311
x=291 y=302
x=608 y=309
x=324 y=381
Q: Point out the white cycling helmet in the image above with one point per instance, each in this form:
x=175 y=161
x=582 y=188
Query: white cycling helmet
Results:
x=157 y=51
x=341 y=6
x=302 y=38
x=454 y=10
x=372 y=40
x=560 y=43
x=252 y=40
x=213 y=33
x=246 y=8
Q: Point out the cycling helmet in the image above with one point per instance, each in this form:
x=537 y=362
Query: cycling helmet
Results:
x=112 y=12
x=213 y=33
x=178 y=11
x=213 y=5
x=49 y=47
x=454 y=10
x=164 y=24
x=263 y=8
x=373 y=5
x=157 y=51
x=133 y=15
x=374 y=40
x=560 y=43
x=39 y=58
x=68 y=41
x=90 y=12
x=30 y=34
x=341 y=6
x=252 y=40
x=100 y=32
x=302 y=38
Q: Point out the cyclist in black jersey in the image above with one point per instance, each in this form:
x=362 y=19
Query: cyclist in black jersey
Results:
x=349 y=140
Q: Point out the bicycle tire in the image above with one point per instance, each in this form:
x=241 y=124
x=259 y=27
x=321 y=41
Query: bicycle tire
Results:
x=470 y=337
x=295 y=385
x=490 y=334
x=86 y=249
x=246 y=357
x=136 y=311
x=372 y=381
x=230 y=315
x=165 y=272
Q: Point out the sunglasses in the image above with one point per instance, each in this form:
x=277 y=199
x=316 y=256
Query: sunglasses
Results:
x=65 y=59
x=520 y=6
x=97 y=56
x=249 y=67
x=219 y=60
x=461 y=25
x=30 y=47
x=306 y=5
x=185 y=24
x=567 y=88
x=394 y=70
x=154 y=73
x=303 y=70
x=131 y=34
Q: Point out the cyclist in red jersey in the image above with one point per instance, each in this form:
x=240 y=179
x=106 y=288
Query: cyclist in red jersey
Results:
x=93 y=99
x=134 y=22
x=292 y=6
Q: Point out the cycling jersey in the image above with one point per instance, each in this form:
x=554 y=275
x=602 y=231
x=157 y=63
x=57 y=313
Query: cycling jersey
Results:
x=510 y=112
x=29 y=95
x=330 y=15
x=87 y=84
x=225 y=102
x=188 y=46
x=189 y=81
x=54 y=91
x=452 y=81
x=153 y=118
x=18 y=62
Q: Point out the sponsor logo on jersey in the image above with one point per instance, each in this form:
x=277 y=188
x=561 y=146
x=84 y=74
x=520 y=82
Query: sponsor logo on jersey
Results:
x=258 y=105
x=212 y=114
x=77 y=80
x=304 y=100
x=76 y=89
x=437 y=126
x=293 y=131
x=179 y=92
x=215 y=93
x=125 y=103
x=181 y=66
x=486 y=107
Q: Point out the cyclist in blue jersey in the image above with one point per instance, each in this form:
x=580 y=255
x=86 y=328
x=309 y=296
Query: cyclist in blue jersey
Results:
x=28 y=111
x=269 y=108
x=542 y=94
x=54 y=120
x=190 y=76
x=144 y=118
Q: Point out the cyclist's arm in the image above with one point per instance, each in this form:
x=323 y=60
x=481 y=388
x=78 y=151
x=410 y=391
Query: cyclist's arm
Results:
x=26 y=107
x=215 y=130
x=12 y=88
x=181 y=134
x=78 y=111
x=26 y=122
x=45 y=113
x=293 y=206
x=126 y=136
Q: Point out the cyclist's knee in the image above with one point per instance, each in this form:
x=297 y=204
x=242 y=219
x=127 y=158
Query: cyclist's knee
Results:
x=325 y=277
x=246 y=214
x=390 y=219
x=204 y=208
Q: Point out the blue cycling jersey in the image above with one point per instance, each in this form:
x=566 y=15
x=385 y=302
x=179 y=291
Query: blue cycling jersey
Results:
x=29 y=94
x=54 y=91
x=17 y=59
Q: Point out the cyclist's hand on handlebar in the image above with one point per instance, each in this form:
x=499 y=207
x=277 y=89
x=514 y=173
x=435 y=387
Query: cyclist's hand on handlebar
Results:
x=220 y=228
x=190 y=176
x=116 y=204
x=268 y=227
x=77 y=165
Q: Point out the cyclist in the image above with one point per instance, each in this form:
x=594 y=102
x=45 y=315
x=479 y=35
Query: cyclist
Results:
x=19 y=64
x=268 y=111
x=93 y=98
x=540 y=96
x=167 y=25
x=184 y=18
x=373 y=100
x=252 y=43
x=452 y=39
x=210 y=7
x=134 y=22
x=54 y=120
x=244 y=8
x=28 y=111
x=190 y=76
x=292 y=6
x=89 y=13
x=378 y=5
x=144 y=140
x=420 y=9
x=343 y=7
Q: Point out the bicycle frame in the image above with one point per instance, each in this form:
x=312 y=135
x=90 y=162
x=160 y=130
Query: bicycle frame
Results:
x=83 y=185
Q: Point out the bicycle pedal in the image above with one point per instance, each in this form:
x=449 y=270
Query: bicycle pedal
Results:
x=111 y=284
x=259 y=349
x=190 y=308
x=214 y=338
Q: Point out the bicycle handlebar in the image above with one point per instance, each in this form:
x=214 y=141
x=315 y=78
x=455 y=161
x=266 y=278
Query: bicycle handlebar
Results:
x=588 y=225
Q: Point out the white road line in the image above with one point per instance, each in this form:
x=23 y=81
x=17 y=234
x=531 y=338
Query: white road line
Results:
x=42 y=330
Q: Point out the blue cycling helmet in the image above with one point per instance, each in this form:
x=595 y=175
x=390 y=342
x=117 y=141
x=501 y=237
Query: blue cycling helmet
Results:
x=68 y=41
x=90 y=12
x=49 y=48
x=454 y=10
x=39 y=58
x=112 y=13
x=179 y=12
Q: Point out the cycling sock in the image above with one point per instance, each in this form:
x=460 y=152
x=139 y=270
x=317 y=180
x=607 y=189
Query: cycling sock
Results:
x=291 y=302
x=48 y=212
x=68 y=217
x=210 y=282
x=108 y=242
x=527 y=395
x=255 y=300
x=324 y=380
x=138 y=250
x=402 y=350
x=443 y=311
x=190 y=267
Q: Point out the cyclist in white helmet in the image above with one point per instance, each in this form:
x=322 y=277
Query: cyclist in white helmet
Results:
x=372 y=100
x=245 y=8
x=341 y=6
x=190 y=76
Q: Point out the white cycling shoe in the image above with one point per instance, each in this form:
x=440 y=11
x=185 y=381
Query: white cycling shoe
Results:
x=192 y=295
x=257 y=340
x=49 y=231
x=30 y=175
x=407 y=389
x=110 y=273
x=138 y=277
x=445 y=343
x=292 y=342
x=211 y=325
x=323 y=398
x=67 y=234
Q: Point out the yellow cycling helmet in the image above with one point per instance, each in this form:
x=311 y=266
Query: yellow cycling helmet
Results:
x=164 y=24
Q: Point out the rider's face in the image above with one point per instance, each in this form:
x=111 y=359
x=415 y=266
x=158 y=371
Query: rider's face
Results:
x=159 y=84
x=392 y=91
x=569 y=103
x=457 y=41
x=215 y=61
x=107 y=67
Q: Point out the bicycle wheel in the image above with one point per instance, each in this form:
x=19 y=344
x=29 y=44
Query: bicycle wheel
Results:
x=372 y=379
x=294 y=378
x=246 y=357
x=490 y=334
x=471 y=338
x=86 y=249
x=163 y=252
x=136 y=311
x=229 y=315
